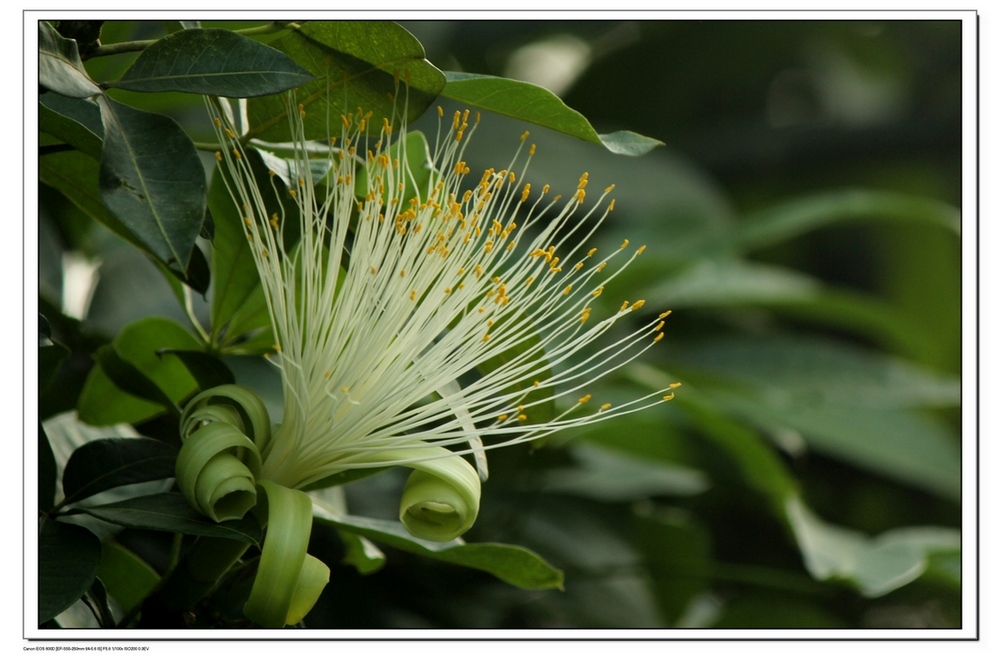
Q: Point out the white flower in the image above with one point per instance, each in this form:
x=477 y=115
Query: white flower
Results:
x=391 y=300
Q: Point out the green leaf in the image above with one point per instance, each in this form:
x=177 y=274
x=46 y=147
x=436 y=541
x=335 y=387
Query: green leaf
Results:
x=207 y=370
x=127 y=578
x=515 y=565
x=59 y=66
x=103 y=403
x=105 y=463
x=128 y=378
x=855 y=405
x=790 y=219
x=68 y=556
x=677 y=553
x=731 y=283
x=537 y=105
x=607 y=475
x=239 y=311
x=153 y=181
x=754 y=459
x=356 y=64
x=170 y=512
x=46 y=471
x=76 y=175
x=361 y=553
x=74 y=121
x=874 y=566
x=212 y=62
x=96 y=600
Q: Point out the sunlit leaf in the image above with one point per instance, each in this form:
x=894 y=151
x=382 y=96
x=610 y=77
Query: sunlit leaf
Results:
x=357 y=64
x=127 y=578
x=537 y=105
x=102 y=402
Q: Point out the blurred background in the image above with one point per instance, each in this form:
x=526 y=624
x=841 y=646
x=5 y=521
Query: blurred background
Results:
x=802 y=225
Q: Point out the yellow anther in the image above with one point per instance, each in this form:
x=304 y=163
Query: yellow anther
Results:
x=522 y=417
x=276 y=347
x=605 y=407
x=577 y=266
x=372 y=269
x=529 y=281
x=230 y=134
x=624 y=244
x=674 y=385
x=218 y=156
x=447 y=290
x=531 y=150
x=638 y=304
x=598 y=290
x=502 y=418
x=274 y=220
x=402 y=272
x=585 y=399
x=246 y=221
x=658 y=338
x=538 y=383
x=524 y=135
x=659 y=326
x=440 y=111
x=609 y=188
x=664 y=314
x=669 y=396
x=236 y=154
x=327 y=374
x=486 y=338
x=624 y=306
x=640 y=250
x=345 y=389
x=218 y=122
x=602 y=266
x=567 y=289
x=413 y=294
x=593 y=250
x=545 y=189
x=611 y=206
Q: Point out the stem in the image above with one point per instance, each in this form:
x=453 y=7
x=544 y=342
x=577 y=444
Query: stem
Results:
x=138 y=45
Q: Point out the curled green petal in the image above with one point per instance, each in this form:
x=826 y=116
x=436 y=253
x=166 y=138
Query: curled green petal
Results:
x=441 y=498
x=312 y=580
x=221 y=404
x=216 y=481
x=289 y=581
x=222 y=429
